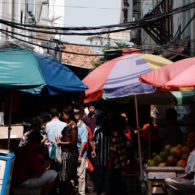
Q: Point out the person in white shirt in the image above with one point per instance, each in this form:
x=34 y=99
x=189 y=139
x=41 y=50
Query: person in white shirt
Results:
x=184 y=184
x=54 y=128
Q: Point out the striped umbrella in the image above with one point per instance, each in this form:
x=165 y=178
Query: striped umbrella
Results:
x=119 y=78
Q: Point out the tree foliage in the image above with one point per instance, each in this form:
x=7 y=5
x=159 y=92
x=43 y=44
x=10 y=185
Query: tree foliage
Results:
x=118 y=46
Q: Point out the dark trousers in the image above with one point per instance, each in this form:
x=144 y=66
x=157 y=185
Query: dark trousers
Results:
x=102 y=178
x=117 y=182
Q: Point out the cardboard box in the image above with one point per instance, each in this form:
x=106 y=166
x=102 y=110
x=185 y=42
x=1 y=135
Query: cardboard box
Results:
x=16 y=132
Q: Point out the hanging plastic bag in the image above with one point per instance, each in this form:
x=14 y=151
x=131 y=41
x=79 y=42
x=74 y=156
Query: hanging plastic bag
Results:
x=58 y=157
x=52 y=154
x=90 y=167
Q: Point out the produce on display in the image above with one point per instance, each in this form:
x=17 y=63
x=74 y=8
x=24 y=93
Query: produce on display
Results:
x=171 y=156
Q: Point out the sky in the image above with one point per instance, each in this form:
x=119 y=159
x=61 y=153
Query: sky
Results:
x=89 y=13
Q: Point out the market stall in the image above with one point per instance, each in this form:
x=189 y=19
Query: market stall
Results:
x=170 y=162
x=15 y=135
x=155 y=177
x=43 y=75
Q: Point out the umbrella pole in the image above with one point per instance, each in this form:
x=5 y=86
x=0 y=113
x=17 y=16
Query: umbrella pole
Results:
x=149 y=142
x=10 y=119
x=139 y=140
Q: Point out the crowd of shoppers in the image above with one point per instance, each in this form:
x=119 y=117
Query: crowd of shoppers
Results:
x=61 y=146
x=67 y=142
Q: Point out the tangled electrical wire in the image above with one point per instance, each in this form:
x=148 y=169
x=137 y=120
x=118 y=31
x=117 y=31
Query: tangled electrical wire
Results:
x=122 y=27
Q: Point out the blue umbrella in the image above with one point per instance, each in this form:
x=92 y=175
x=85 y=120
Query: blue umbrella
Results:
x=30 y=72
x=24 y=70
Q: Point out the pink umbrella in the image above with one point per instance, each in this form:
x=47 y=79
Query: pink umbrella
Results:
x=175 y=76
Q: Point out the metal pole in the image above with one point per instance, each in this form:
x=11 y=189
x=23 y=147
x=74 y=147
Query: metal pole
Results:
x=10 y=119
x=13 y=13
x=138 y=137
x=149 y=142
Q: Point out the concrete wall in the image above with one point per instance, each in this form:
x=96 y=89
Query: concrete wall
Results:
x=181 y=20
x=5 y=13
x=147 y=43
x=11 y=10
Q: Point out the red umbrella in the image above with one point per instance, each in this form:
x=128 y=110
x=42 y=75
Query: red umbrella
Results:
x=119 y=77
x=175 y=76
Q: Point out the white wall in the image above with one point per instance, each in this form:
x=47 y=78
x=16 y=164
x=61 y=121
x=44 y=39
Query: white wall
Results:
x=5 y=13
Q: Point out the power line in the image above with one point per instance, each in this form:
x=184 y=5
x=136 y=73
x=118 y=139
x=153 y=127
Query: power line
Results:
x=85 y=54
x=18 y=26
x=129 y=25
x=54 y=40
x=64 y=42
x=69 y=33
x=67 y=43
x=45 y=47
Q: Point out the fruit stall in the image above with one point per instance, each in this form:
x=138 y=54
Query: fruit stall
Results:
x=170 y=162
x=156 y=175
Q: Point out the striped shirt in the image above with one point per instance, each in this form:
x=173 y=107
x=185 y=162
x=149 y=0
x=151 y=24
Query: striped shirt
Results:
x=102 y=147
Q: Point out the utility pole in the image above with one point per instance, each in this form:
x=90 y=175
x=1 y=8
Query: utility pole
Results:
x=108 y=40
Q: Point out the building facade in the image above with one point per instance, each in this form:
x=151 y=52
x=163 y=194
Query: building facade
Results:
x=177 y=27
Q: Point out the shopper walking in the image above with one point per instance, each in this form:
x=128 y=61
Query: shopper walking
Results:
x=53 y=129
x=69 y=153
x=118 y=155
x=81 y=146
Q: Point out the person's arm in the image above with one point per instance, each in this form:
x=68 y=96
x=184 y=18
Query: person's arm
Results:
x=61 y=143
x=44 y=140
x=73 y=139
x=48 y=143
x=23 y=140
x=92 y=144
x=83 y=144
x=69 y=143
x=84 y=138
